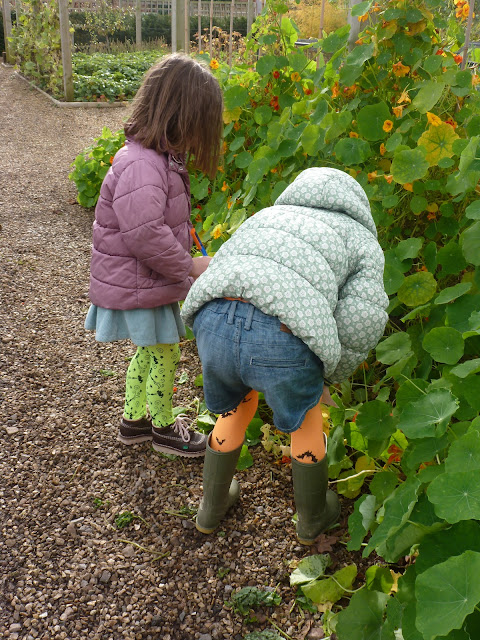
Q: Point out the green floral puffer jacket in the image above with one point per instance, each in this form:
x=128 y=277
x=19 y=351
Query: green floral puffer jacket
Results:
x=312 y=260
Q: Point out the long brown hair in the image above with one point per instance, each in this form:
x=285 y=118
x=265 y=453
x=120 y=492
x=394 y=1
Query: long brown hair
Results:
x=178 y=109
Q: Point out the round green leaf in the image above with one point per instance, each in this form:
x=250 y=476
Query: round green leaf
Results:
x=473 y=210
x=456 y=496
x=418 y=204
x=466 y=368
x=243 y=159
x=447 y=593
x=235 y=97
x=257 y=169
x=310 y=568
x=450 y=257
x=470 y=244
x=444 y=344
x=262 y=115
x=352 y=151
x=409 y=248
x=363 y=618
x=374 y=420
x=417 y=289
x=392 y=279
x=409 y=165
x=438 y=142
x=452 y=293
x=266 y=64
x=428 y=417
x=370 y=121
x=464 y=454
x=394 y=348
x=428 y=96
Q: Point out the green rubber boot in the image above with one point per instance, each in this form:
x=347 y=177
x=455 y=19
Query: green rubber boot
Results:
x=220 y=489
x=317 y=507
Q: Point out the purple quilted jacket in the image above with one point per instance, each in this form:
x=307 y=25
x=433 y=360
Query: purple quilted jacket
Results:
x=141 y=234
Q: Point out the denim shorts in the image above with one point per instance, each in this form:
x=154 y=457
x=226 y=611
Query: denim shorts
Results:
x=242 y=348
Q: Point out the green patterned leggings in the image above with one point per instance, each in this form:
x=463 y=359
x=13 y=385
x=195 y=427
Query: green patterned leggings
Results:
x=150 y=378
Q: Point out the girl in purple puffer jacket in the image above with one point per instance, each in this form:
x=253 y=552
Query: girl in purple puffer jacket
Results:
x=141 y=265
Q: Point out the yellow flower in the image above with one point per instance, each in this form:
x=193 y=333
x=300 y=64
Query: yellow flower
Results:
x=295 y=77
x=433 y=119
x=363 y=18
x=214 y=64
x=404 y=97
x=475 y=80
x=353 y=134
x=372 y=176
x=383 y=149
x=387 y=125
x=225 y=186
x=224 y=147
x=400 y=70
x=217 y=232
x=398 y=111
x=408 y=186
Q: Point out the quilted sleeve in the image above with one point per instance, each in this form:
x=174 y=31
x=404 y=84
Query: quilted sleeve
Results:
x=139 y=203
x=360 y=312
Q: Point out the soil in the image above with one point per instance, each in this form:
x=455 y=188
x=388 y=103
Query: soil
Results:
x=66 y=568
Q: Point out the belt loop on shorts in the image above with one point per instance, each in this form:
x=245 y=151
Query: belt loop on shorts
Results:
x=249 y=318
x=231 y=312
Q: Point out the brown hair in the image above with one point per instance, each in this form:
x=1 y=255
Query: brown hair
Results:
x=178 y=109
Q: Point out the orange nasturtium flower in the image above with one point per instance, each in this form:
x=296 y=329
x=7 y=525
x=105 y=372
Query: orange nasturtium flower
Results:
x=388 y=178
x=307 y=91
x=111 y=159
x=295 y=77
x=404 y=97
x=217 y=232
x=475 y=80
x=408 y=186
x=400 y=70
x=451 y=122
x=214 y=64
x=276 y=74
x=225 y=186
x=236 y=125
x=363 y=18
x=353 y=134
x=335 y=90
x=433 y=119
x=383 y=149
x=387 y=125
x=458 y=59
x=372 y=176
x=398 y=111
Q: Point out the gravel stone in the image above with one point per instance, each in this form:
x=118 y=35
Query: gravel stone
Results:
x=65 y=477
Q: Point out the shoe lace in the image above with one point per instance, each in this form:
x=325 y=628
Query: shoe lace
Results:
x=180 y=426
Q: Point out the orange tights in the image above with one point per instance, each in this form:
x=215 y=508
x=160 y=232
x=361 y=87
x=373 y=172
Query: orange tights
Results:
x=307 y=442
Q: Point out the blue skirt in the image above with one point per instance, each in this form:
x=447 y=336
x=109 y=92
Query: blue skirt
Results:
x=144 y=327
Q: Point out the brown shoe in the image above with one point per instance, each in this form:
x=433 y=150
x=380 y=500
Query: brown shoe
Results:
x=179 y=440
x=135 y=431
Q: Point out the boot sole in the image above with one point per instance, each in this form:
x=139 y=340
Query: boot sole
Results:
x=133 y=439
x=177 y=452
x=203 y=530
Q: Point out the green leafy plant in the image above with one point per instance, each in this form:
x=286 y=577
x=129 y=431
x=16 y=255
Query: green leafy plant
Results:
x=126 y=518
x=249 y=599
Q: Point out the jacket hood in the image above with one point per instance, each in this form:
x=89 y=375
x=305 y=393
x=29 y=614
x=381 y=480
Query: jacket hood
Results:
x=325 y=188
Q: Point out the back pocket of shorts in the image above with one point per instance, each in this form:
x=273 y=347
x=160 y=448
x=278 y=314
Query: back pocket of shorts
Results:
x=278 y=364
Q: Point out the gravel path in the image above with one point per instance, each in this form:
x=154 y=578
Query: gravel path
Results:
x=66 y=570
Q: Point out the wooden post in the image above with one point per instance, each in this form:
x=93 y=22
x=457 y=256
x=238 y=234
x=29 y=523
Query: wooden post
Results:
x=187 y=26
x=211 y=26
x=174 y=26
x=138 y=23
x=199 y=25
x=230 y=41
x=180 y=25
x=354 y=23
x=66 y=42
x=7 y=30
x=320 y=30
x=249 y=15
x=467 y=34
